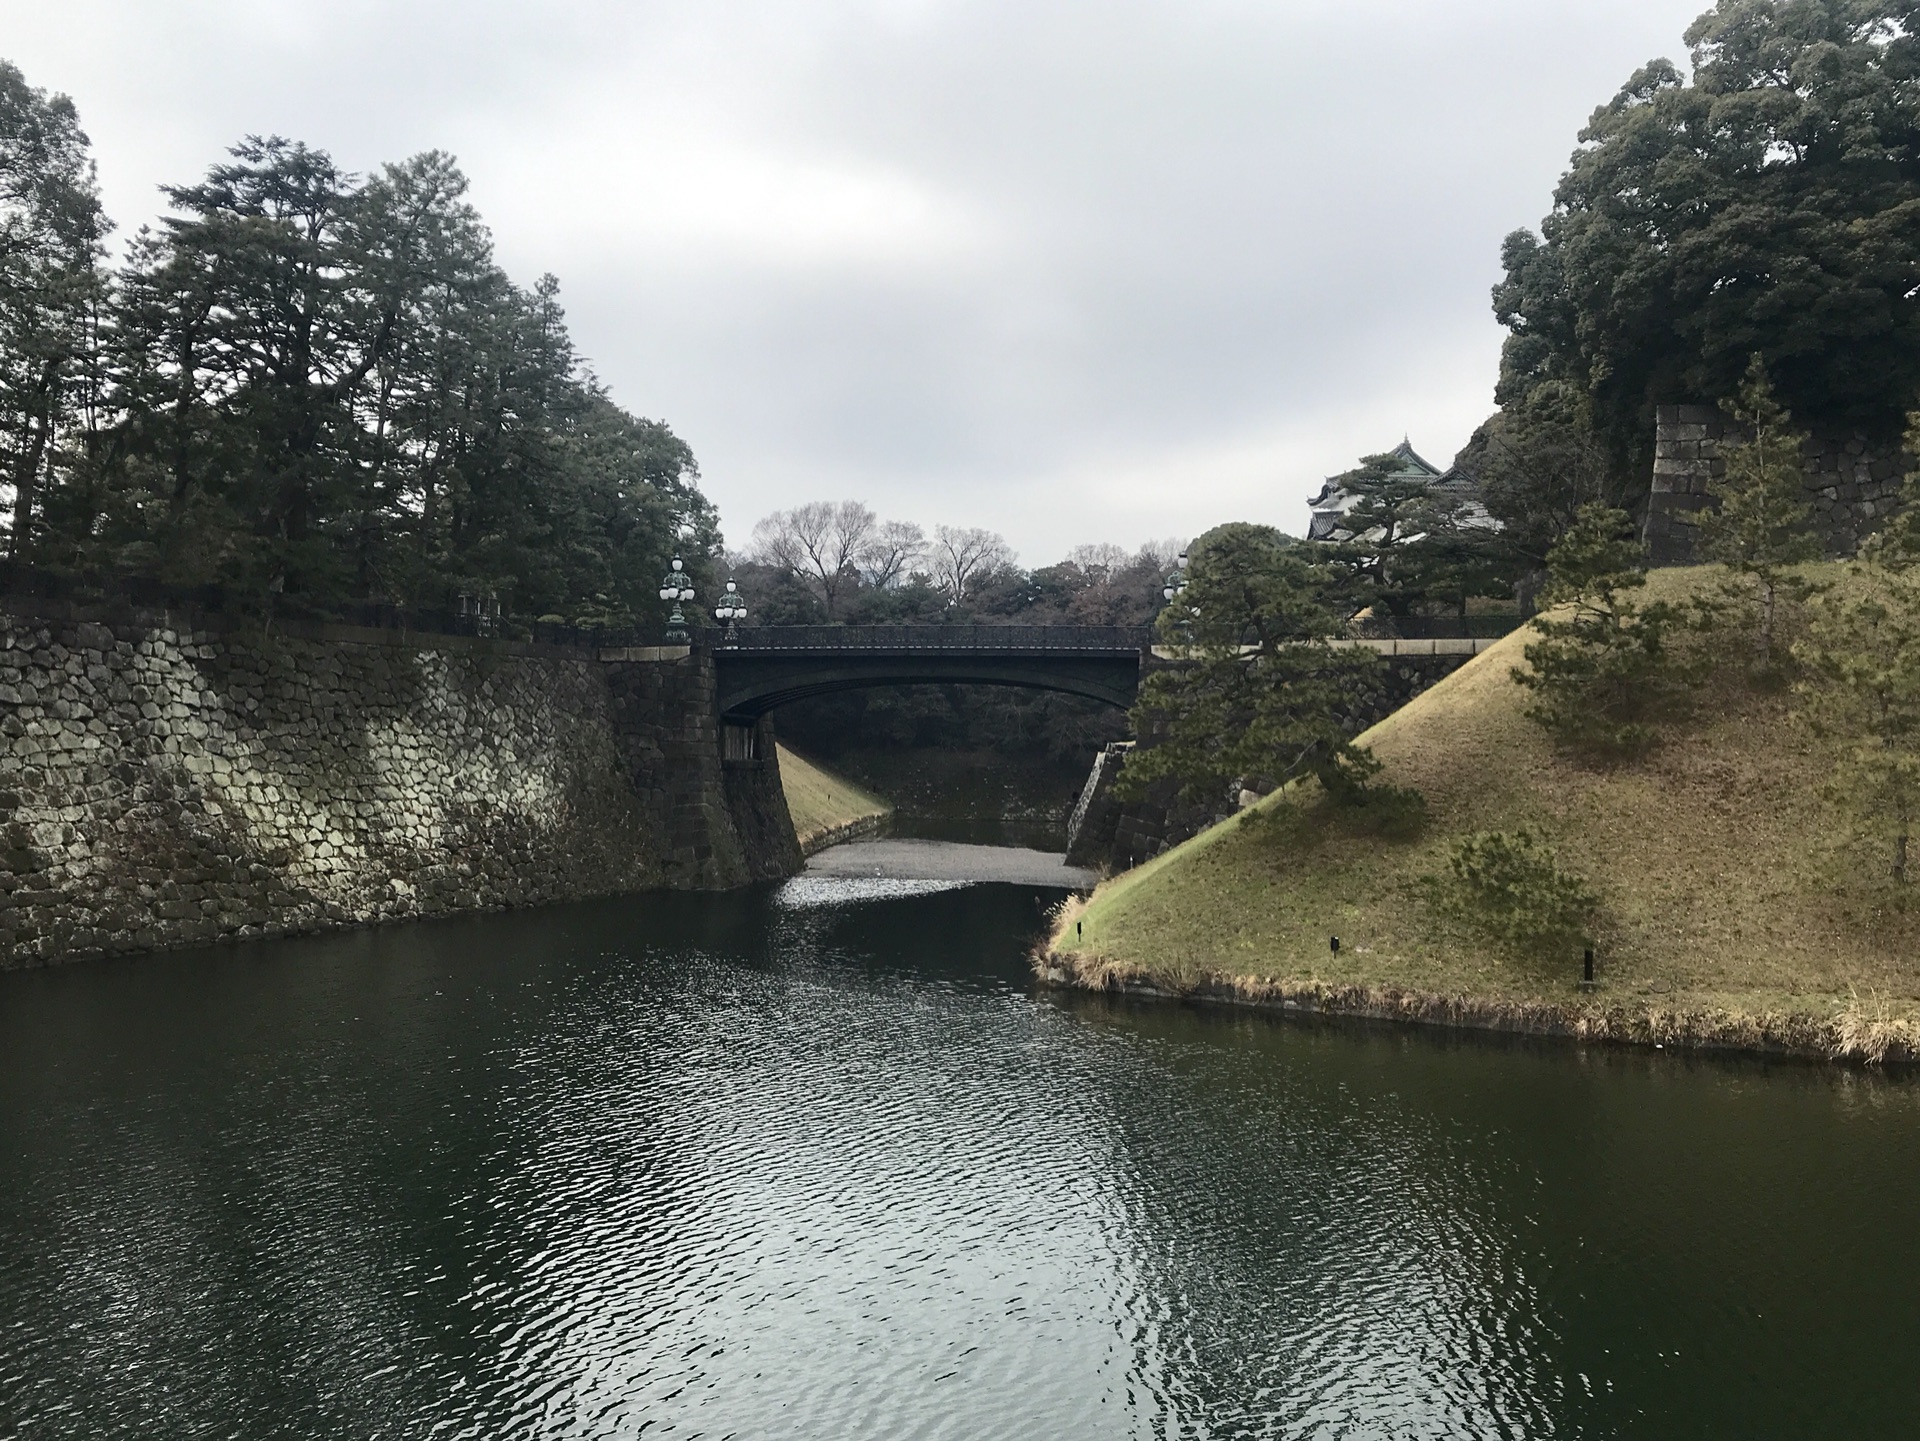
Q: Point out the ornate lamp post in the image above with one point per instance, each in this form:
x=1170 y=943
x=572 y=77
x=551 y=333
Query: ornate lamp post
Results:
x=676 y=586
x=731 y=608
x=1176 y=582
x=1172 y=590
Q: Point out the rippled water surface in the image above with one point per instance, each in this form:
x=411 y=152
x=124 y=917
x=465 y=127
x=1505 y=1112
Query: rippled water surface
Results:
x=817 y=1163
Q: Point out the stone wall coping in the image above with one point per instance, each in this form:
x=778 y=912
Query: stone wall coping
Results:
x=59 y=612
x=644 y=653
x=1687 y=415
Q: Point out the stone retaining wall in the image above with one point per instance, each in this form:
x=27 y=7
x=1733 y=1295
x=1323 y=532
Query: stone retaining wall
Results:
x=167 y=783
x=1851 y=483
x=814 y=842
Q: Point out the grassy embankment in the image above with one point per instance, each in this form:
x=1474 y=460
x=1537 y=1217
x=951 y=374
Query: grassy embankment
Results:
x=1738 y=909
x=825 y=807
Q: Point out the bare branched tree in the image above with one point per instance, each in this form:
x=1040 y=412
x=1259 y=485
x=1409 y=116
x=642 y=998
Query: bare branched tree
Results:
x=895 y=547
x=1099 y=561
x=961 y=558
x=1161 y=554
x=821 y=542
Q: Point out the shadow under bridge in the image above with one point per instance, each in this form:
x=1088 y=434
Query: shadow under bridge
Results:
x=764 y=667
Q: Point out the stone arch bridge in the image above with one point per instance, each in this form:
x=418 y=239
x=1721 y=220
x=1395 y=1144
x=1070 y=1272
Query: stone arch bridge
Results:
x=764 y=667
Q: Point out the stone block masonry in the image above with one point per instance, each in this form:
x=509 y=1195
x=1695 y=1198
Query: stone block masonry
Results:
x=1851 y=483
x=168 y=783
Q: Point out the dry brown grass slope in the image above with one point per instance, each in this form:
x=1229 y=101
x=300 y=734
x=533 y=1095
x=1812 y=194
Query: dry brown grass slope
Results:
x=824 y=805
x=1737 y=906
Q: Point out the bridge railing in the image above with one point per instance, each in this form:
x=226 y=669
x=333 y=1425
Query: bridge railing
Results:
x=1083 y=638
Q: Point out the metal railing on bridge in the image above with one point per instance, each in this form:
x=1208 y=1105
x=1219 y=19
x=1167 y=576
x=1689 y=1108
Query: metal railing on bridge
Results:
x=1080 y=638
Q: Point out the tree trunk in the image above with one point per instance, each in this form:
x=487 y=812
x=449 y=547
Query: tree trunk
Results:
x=26 y=489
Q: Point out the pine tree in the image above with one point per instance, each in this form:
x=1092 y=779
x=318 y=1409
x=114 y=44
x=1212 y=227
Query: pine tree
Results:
x=1762 y=527
x=1260 y=692
x=1391 y=510
x=1602 y=668
x=51 y=283
x=1861 y=691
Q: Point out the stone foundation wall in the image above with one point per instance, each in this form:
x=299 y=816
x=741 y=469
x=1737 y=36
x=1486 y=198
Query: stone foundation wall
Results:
x=166 y=783
x=1851 y=484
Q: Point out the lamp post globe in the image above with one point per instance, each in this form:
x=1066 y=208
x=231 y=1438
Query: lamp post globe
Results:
x=1171 y=591
x=676 y=586
x=731 y=609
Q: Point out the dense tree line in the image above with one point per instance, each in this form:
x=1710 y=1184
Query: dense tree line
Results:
x=311 y=386
x=831 y=562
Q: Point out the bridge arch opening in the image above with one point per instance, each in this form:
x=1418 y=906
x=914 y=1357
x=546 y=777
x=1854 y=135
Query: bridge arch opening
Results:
x=766 y=671
x=744 y=707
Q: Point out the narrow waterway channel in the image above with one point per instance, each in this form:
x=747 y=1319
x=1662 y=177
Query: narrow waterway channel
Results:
x=815 y=1161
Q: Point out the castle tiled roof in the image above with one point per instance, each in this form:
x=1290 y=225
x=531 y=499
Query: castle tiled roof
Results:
x=1331 y=505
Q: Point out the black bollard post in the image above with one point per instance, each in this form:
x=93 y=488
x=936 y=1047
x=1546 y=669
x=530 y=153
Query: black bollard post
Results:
x=1333 y=944
x=1076 y=929
x=1586 y=969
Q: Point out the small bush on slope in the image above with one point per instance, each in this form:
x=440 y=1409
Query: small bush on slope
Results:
x=1510 y=888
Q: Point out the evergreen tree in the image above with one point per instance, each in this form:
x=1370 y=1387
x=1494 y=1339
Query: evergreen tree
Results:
x=1602 y=668
x=1405 y=544
x=1257 y=690
x=1392 y=508
x=1538 y=461
x=1760 y=202
x=246 y=331
x=1861 y=690
x=1761 y=526
x=311 y=389
x=51 y=286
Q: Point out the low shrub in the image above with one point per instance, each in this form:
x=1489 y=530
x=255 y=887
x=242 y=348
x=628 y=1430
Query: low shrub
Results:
x=1510 y=888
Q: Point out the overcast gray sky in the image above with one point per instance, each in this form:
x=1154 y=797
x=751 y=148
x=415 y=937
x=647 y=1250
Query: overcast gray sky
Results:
x=1074 y=271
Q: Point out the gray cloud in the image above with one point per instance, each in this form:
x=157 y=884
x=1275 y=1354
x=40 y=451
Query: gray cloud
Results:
x=1074 y=271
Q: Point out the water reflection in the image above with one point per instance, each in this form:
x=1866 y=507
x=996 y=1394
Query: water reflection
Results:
x=814 y=1162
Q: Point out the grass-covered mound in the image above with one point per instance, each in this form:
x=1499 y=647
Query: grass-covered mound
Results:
x=824 y=805
x=1735 y=905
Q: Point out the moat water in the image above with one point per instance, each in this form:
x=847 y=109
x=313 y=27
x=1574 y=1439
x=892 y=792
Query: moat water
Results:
x=818 y=1162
